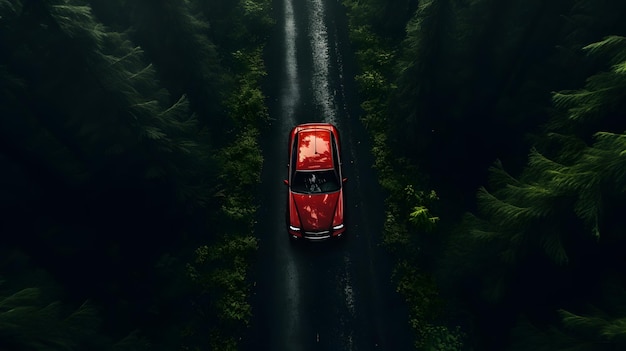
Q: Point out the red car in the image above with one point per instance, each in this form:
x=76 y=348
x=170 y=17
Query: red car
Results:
x=315 y=205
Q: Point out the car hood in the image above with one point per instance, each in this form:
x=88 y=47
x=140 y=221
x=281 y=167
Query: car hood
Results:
x=315 y=211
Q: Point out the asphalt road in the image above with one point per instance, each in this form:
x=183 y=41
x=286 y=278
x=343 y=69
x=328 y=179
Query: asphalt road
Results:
x=332 y=295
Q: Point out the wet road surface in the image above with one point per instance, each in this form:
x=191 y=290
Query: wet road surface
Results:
x=333 y=295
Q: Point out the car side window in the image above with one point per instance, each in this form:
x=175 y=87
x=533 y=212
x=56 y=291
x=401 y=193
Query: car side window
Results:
x=294 y=155
x=336 y=160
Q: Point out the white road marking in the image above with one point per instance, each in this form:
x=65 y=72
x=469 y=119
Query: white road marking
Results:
x=318 y=35
x=290 y=93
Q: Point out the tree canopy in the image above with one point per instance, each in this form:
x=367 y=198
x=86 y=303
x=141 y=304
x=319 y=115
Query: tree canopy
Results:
x=510 y=114
x=113 y=119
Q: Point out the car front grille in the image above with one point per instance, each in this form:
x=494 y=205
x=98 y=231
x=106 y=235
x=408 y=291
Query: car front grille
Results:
x=317 y=235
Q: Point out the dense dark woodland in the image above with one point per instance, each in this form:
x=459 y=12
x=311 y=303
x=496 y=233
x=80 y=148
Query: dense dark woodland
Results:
x=499 y=135
x=127 y=154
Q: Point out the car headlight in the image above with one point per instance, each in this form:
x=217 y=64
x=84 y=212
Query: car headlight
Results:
x=337 y=227
x=296 y=229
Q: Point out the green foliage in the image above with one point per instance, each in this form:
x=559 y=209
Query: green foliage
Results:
x=425 y=308
x=241 y=163
x=441 y=338
x=473 y=65
x=360 y=14
x=238 y=24
x=562 y=205
x=598 y=328
x=407 y=210
x=218 y=341
x=590 y=108
x=122 y=110
x=380 y=16
x=219 y=271
x=418 y=72
x=420 y=217
x=371 y=83
x=420 y=292
x=30 y=319
x=247 y=102
x=27 y=322
x=523 y=211
x=603 y=91
x=257 y=19
x=175 y=37
x=108 y=118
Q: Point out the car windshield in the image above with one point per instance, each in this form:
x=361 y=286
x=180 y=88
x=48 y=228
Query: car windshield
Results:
x=315 y=182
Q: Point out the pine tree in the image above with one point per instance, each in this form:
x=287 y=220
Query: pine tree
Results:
x=550 y=191
x=176 y=40
x=105 y=170
x=34 y=315
x=428 y=35
x=29 y=321
x=599 y=326
x=562 y=214
x=111 y=107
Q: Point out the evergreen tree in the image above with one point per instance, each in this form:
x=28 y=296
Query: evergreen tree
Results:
x=237 y=22
x=599 y=326
x=109 y=168
x=474 y=78
x=581 y=178
x=111 y=107
x=563 y=208
x=102 y=164
x=39 y=318
x=195 y=46
x=177 y=41
x=474 y=84
x=428 y=32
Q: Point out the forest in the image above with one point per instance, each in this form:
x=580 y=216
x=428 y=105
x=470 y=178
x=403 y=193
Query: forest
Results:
x=498 y=133
x=128 y=149
x=130 y=158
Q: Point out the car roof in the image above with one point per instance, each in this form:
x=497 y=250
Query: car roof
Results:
x=314 y=147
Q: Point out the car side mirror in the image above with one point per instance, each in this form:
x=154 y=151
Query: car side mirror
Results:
x=344 y=180
x=286 y=181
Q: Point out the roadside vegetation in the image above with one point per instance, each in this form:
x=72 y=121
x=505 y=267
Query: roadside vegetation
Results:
x=128 y=144
x=409 y=201
x=129 y=153
x=497 y=133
